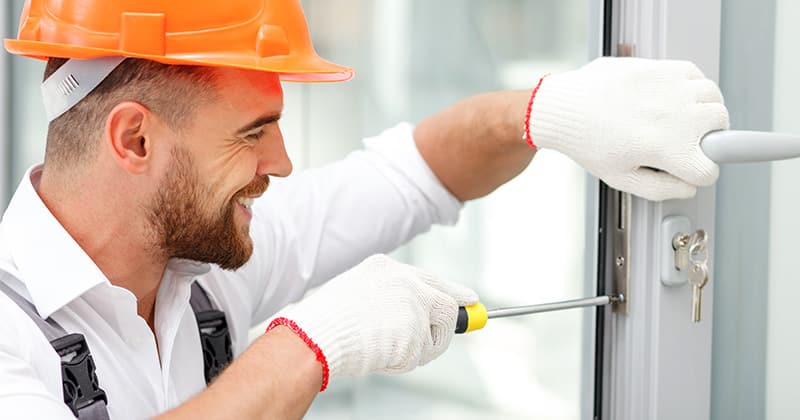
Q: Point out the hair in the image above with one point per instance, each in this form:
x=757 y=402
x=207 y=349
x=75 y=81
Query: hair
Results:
x=170 y=91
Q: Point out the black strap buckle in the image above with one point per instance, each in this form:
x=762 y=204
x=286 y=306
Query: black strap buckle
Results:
x=216 y=342
x=81 y=388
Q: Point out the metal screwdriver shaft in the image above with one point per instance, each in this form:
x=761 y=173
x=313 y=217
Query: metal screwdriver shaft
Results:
x=554 y=306
x=474 y=317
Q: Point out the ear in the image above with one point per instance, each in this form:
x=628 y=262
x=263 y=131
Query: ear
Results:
x=126 y=134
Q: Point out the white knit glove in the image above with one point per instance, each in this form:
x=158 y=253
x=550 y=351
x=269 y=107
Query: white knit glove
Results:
x=634 y=123
x=380 y=316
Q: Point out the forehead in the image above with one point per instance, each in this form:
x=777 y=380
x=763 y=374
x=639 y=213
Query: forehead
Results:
x=241 y=84
x=265 y=82
x=240 y=97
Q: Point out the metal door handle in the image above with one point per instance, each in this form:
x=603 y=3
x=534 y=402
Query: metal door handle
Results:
x=729 y=146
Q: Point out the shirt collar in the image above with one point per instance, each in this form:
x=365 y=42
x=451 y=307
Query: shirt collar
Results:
x=188 y=268
x=53 y=267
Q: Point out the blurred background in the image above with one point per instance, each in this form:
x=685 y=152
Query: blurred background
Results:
x=524 y=244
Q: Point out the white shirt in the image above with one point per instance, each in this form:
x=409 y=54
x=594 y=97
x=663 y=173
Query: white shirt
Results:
x=305 y=230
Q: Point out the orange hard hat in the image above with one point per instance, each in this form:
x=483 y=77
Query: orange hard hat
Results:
x=265 y=35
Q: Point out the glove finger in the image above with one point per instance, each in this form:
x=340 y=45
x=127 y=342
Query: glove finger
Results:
x=706 y=91
x=689 y=163
x=680 y=68
x=711 y=116
x=652 y=184
x=664 y=186
x=463 y=295
x=409 y=353
x=694 y=168
x=444 y=312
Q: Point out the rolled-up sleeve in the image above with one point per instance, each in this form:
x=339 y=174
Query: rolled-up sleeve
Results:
x=314 y=225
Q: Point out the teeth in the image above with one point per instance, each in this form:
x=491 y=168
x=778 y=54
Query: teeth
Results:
x=246 y=202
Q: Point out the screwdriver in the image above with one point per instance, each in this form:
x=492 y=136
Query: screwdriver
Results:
x=474 y=317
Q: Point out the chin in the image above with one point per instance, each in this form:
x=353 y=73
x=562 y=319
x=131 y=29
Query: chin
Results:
x=245 y=250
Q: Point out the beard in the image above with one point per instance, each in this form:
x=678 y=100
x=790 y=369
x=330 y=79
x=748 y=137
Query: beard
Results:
x=185 y=224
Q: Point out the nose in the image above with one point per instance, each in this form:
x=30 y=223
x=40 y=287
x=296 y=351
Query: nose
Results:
x=272 y=157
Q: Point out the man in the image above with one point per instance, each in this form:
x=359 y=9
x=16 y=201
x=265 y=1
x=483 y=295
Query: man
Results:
x=163 y=134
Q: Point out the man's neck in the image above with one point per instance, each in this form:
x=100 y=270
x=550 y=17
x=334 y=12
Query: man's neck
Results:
x=111 y=231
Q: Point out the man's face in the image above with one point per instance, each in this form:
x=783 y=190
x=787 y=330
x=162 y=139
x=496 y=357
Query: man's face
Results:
x=220 y=163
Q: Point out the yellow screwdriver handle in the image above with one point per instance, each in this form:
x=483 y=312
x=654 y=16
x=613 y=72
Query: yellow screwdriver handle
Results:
x=471 y=318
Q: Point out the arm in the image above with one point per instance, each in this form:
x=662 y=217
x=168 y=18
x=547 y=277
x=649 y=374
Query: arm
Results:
x=380 y=316
x=635 y=123
x=258 y=385
x=476 y=145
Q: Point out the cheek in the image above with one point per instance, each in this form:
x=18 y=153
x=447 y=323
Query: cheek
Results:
x=236 y=173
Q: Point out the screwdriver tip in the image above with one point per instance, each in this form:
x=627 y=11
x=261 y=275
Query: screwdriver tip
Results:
x=620 y=298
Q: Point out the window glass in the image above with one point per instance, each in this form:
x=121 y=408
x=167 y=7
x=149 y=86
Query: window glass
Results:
x=27 y=125
x=5 y=171
x=524 y=244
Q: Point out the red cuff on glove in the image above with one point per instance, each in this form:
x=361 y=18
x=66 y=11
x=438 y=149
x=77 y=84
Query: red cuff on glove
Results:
x=527 y=134
x=309 y=342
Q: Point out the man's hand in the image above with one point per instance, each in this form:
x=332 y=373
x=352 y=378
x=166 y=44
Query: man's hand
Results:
x=380 y=316
x=634 y=123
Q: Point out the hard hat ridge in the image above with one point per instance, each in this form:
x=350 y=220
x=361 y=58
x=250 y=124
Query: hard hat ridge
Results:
x=263 y=35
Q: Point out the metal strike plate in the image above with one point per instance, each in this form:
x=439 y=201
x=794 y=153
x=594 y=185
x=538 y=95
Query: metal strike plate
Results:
x=671 y=226
x=621 y=247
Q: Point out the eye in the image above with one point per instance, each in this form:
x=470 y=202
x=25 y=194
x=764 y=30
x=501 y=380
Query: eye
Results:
x=255 y=136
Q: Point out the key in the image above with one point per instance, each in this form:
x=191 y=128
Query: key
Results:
x=698 y=277
x=698 y=252
x=680 y=243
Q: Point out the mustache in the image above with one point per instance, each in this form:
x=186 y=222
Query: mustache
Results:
x=254 y=188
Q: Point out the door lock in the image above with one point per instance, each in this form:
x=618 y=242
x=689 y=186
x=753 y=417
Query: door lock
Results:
x=684 y=258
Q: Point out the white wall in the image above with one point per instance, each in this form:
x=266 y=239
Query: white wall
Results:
x=783 y=335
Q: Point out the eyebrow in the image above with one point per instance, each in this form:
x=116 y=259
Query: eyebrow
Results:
x=259 y=122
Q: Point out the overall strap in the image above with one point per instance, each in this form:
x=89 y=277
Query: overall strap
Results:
x=215 y=337
x=49 y=327
x=82 y=393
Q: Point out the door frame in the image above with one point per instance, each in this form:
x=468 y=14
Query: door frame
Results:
x=657 y=363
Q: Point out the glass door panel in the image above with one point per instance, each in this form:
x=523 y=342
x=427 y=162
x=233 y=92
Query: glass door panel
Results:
x=531 y=241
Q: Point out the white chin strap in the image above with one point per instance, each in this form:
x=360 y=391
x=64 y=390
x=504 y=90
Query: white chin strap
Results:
x=73 y=81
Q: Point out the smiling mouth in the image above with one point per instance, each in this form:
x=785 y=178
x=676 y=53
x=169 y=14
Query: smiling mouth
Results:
x=246 y=202
x=249 y=193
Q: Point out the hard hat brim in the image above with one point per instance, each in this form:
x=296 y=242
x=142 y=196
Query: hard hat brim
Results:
x=294 y=68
